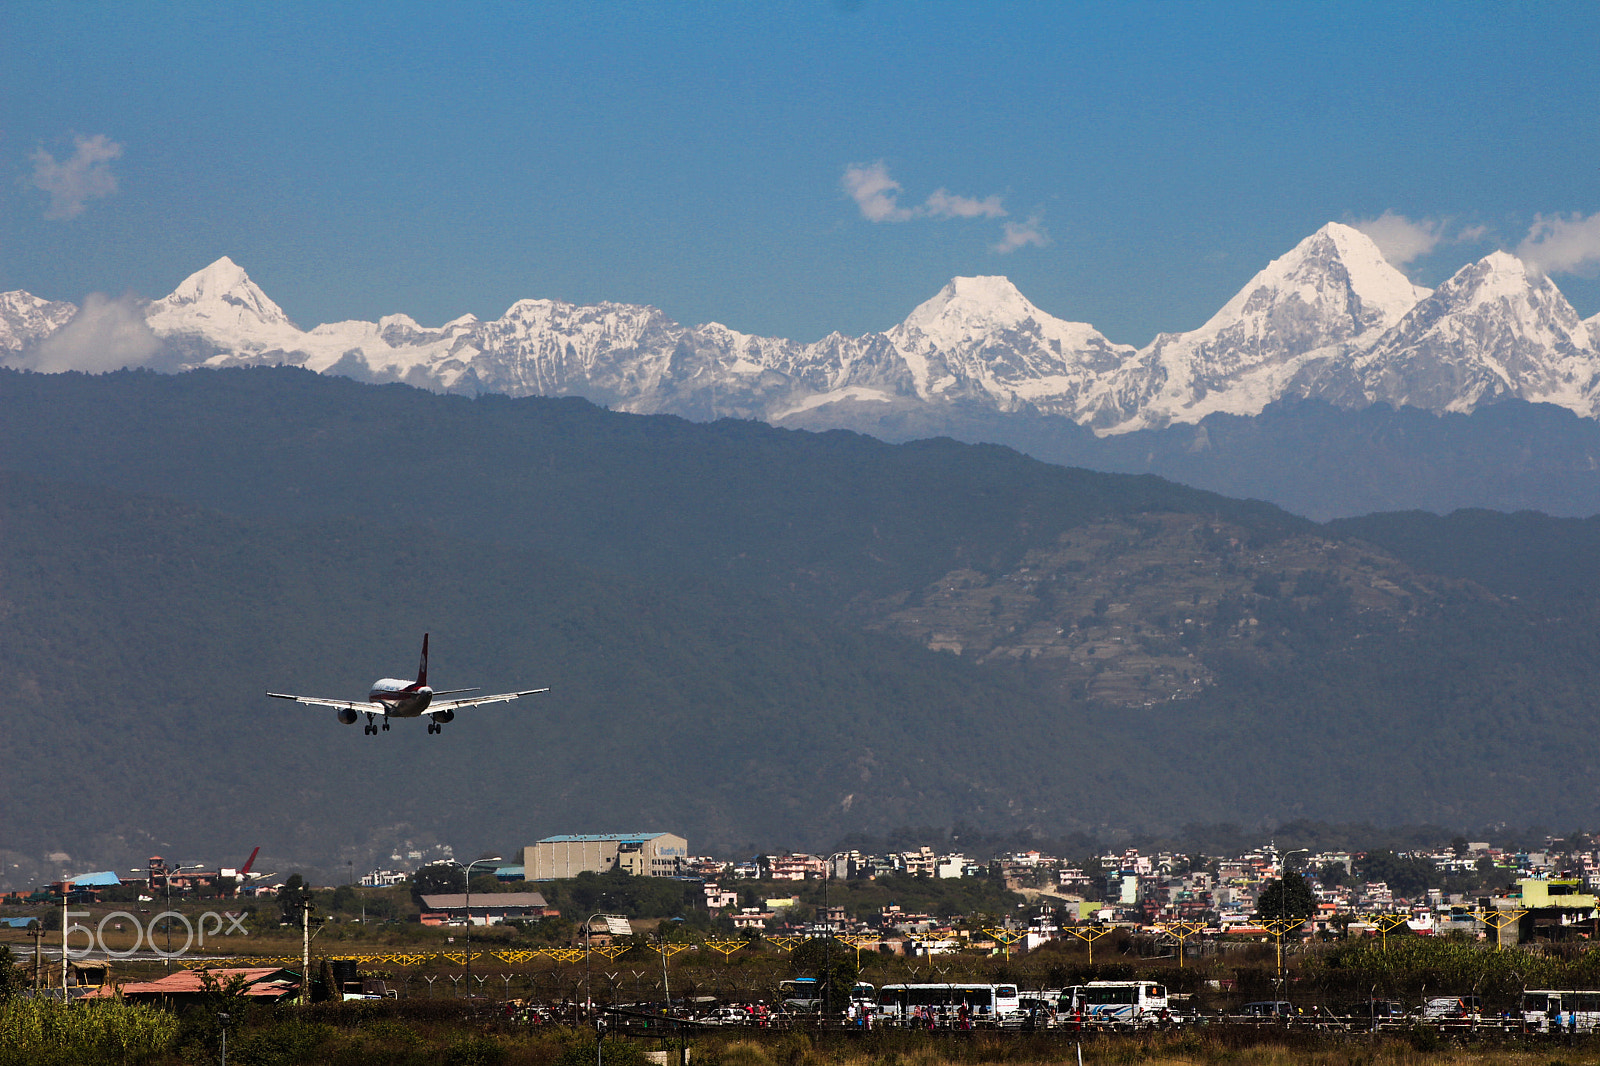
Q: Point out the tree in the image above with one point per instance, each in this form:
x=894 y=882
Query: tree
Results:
x=1287 y=897
x=345 y=900
x=1408 y=876
x=12 y=979
x=833 y=964
x=436 y=879
x=292 y=897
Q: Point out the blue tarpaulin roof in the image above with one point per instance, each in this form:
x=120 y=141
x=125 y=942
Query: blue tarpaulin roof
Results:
x=103 y=879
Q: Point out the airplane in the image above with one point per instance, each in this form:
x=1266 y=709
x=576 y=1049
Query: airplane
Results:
x=394 y=698
x=243 y=876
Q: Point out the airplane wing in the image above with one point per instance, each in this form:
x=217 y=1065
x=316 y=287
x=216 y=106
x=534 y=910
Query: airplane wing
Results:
x=503 y=697
x=363 y=706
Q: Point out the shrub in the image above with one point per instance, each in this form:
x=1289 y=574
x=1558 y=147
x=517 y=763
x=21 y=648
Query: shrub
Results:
x=44 y=1033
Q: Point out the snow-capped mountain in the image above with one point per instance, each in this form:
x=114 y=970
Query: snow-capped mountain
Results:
x=1329 y=296
x=1329 y=319
x=1492 y=332
x=25 y=319
x=980 y=338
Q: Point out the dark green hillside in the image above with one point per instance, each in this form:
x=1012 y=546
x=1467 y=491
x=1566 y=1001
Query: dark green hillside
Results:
x=737 y=622
x=1550 y=561
x=140 y=636
x=826 y=517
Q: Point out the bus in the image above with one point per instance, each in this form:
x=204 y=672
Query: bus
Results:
x=800 y=995
x=803 y=995
x=1116 y=1004
x=1558 y=1010
x=987 y=1006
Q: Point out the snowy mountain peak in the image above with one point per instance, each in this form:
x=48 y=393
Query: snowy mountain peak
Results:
x=1492 y=331
x=1497 y=275
x=1501 y=279
x=966 y=306
x=1372 y=277
x=1340 y=270
x=1331 y=294
x=26 y=319
x=221 y=292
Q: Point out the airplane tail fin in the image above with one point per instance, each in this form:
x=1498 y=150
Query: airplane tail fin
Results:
x=251 y=861
x=422 y=667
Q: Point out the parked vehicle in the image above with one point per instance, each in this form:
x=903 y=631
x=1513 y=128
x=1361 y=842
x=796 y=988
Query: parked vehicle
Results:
x=800 y=995
x=726 y=1016
x=984 y=1006
x=1452 y=1009
x=1117 y=1005
x=1552 y=1010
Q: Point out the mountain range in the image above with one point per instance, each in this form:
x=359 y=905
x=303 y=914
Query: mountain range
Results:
x=1331 y=320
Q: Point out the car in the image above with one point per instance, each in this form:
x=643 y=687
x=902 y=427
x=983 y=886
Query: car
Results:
x=726 y=1016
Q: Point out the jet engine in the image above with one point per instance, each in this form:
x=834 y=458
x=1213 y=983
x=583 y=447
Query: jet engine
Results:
x=348 y=715
x=445 y=716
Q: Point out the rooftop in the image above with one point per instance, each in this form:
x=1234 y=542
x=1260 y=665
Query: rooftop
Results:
x=591 y=838
x=485 y=901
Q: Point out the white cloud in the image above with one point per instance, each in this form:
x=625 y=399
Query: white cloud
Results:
x=1020 y=235
x=1402 y=239
x=104 y=335
x=83 y=177
x=874 y=191
x=877 y=195
x=1557 y=245
x=943 y=205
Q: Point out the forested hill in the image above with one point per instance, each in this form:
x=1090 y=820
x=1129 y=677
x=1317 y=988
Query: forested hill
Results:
x=1553 y=562
x=828 y=516
x=754 y=636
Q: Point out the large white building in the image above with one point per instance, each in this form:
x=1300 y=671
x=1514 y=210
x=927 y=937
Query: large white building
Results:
x=640 y=854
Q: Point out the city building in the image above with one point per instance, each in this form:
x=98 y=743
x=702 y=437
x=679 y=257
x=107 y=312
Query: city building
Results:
x=487 y=908
x=640 y=854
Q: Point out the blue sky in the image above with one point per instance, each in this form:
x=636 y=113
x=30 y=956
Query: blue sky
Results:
x=785 y=169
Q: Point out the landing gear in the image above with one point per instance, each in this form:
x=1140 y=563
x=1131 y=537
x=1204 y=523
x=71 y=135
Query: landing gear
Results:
x=370 y=729
x=385 y=726
x=435 y=727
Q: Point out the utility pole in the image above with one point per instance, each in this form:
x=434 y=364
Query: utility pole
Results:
x=37 y=932
x=305 y=948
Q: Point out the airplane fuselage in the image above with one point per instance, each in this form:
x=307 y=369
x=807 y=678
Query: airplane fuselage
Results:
x=404 y=699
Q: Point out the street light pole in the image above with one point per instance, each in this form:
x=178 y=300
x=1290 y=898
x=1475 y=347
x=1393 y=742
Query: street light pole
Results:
x=588 y=928
x=166 y=878
x=469 y=866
